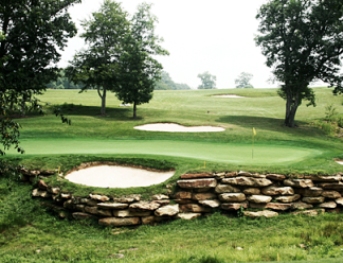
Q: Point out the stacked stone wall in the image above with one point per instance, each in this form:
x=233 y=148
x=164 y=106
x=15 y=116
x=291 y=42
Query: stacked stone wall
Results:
x=251 y=194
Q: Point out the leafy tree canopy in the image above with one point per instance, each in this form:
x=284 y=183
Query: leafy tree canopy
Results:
x=33 y=32
x=166 y=83
x=208 y=81
x=302 y=41
x=139 y=70
x=97 y=67
x=243 y=80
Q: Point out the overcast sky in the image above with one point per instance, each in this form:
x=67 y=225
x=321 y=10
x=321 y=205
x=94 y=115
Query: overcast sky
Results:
x=201 y=35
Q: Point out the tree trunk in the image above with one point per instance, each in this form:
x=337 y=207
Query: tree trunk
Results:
x=103 y=101
x=292 y=104
x=134 y=110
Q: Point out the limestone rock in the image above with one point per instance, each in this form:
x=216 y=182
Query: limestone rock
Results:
x=196 y=176
x=162 y=202
x=259 y=199
x=68 y=204
x=310 y=212
x=328 y=179
x=288 y=199
x=80 y=207
x=234 y=206
x=40 y=193
x=188 y=216
x=276 y=177
x=339 y=201
x=328 y=205
x=264 y=213
x=300 y=183
x=129 y=213
x=143 y=205
x=100 y=198
x=168 y=210
x=232 y=197
x=301 y=206
x=112 y=205
x=148 y=220
x=332 y=186
x=195 y=208
x=279 y=206
x=54 y=190
x=331 y=194
x=274 y=190
x=82 y=216
x=183 y=195
x=91 y=210
x=247 y=181
x=204 y=196
x=115 y=221
x=252 y=191
x=210 y=203
x=314 y=200
x=102 y=212
x=66 y=195
x=160 y=197
x=309 y=192
x=197 y=183
x=128 y=199
x=226 y=188
x=42 y=185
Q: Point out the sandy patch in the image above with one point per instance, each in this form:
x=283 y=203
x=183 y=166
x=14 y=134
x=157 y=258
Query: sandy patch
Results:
x=173 y=127
x=117 y=176
x=233 y=96
x=339 y=162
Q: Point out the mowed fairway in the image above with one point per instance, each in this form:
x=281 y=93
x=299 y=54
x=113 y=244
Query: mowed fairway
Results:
x=207 y=151
x=114 y=134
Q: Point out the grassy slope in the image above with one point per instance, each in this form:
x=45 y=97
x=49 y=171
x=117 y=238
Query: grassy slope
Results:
x=30 y=234
x=262 y=109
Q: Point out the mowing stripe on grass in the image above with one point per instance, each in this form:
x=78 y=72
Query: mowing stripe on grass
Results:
x=209 y=151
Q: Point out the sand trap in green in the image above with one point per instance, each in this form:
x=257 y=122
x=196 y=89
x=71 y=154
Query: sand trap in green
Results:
x=117 y=176
x=217 y=152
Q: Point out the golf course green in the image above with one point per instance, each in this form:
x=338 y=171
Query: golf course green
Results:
x=207 y=151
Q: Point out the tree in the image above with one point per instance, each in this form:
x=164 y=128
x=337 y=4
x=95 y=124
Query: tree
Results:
x=208 y=81
x=302 y=41
x=139 y=70
x=166 y=83
x=243 y=80
x=97 y=67
x=33 y=32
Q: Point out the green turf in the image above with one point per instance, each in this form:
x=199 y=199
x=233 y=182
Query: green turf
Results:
x=208 y=151
x=31 y=233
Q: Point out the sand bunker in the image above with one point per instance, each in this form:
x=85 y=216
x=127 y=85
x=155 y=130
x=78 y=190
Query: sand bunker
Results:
x=117 y=176
x=173 y=127
x=233 y=96
x=339 y=162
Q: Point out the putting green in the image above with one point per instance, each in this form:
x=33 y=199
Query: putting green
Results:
x=209 y=151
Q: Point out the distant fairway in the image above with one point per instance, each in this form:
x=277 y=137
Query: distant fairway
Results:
x=209 y=151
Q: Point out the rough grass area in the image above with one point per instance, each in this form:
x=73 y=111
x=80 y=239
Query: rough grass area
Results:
x=30 y=232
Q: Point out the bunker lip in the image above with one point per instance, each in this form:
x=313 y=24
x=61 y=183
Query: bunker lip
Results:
x=117 y=176
x=173 y=127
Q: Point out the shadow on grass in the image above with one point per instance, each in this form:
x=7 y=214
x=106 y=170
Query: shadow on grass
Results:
x=120 y=114
x=266 y=123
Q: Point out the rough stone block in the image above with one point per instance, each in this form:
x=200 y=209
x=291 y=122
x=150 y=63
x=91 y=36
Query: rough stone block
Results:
x=115 y=221
x=247 y=181
x=197 y=183
x=232 y=197
x=259 y=199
